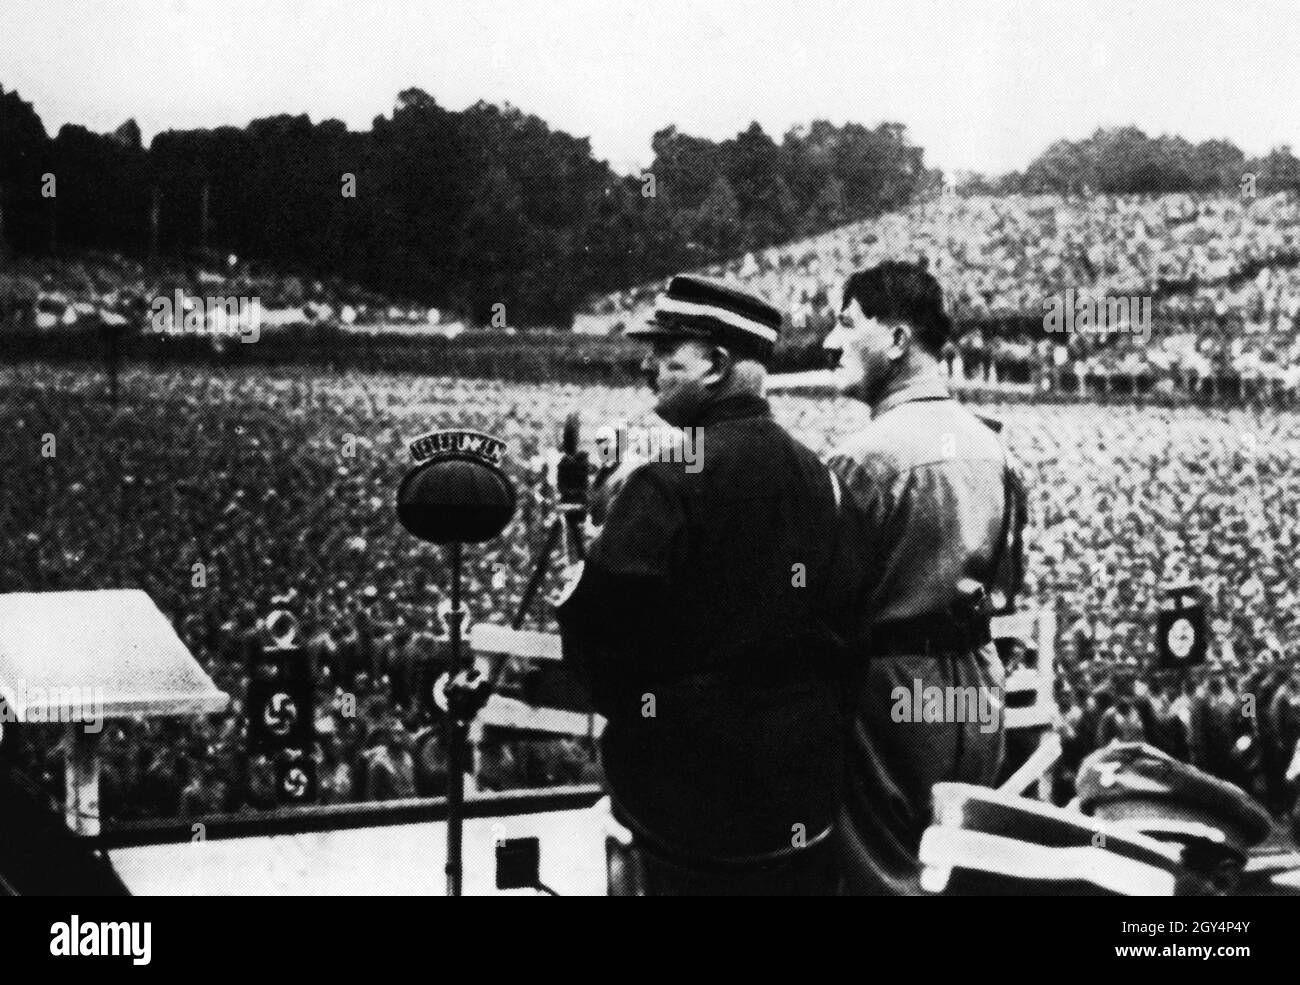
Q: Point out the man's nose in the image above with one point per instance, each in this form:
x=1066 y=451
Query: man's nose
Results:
x=835 y=340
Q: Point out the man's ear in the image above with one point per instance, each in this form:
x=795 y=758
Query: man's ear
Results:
x=720 y=362
x=900 y=340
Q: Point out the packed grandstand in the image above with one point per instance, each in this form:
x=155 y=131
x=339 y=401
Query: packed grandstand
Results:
x=242 y=469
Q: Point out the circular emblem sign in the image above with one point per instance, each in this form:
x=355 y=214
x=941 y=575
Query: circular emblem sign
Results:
x=1181 y=638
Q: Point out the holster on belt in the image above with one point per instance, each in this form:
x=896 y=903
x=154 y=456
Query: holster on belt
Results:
x=971 y=613
x=964 y=627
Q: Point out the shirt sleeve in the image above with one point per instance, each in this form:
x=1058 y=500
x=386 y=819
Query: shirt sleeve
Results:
x=611 y=622
x=1010 y=576
x=861 y=511
x=862 y=488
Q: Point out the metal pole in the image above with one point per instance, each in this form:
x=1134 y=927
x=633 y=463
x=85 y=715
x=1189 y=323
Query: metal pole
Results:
x=81 y=780
x=539 y=572
x=456 y=741
x=155 y=205
x=203 y=221
x=574 y=520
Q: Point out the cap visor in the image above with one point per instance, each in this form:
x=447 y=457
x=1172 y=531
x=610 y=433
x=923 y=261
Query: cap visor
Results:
x=1171 y=820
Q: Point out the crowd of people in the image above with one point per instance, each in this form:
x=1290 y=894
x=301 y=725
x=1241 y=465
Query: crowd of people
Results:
x=387 y=749
x=53 y=294
x=227 y=498
x=228 y=495
x=1126 y=502
x=1239 y=721
x=228 y=492
x=1220 y=270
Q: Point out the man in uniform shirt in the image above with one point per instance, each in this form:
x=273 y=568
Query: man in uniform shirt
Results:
x=1223 y=740
x=696 y=623
x=931 y=520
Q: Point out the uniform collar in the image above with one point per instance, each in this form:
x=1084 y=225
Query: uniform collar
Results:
x=734 y=407
x=931 y=386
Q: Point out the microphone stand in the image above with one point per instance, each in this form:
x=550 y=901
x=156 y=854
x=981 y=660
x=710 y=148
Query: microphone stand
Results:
x=456 y=493
x=466 y=693
x=455 y=739
x=567 y=523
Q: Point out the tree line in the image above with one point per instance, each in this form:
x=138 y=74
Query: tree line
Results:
x=460 y=210
x=1126 y=161
x=468 y=210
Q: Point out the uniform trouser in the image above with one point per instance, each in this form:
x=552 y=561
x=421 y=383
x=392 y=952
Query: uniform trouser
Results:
x=643 y=871
x=891 y=764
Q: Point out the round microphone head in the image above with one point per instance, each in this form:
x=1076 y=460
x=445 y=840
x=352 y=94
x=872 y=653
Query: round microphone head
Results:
x=455 y=499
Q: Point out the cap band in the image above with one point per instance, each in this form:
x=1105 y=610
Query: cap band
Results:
x=673 y=306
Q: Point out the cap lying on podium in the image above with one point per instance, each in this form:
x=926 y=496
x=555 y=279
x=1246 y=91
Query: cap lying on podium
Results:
x=993 y=843
x=1136 y=787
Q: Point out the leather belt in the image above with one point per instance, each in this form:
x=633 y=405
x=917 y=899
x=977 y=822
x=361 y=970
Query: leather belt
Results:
x=694 y=858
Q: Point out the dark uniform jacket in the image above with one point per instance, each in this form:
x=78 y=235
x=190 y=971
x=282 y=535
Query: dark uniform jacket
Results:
x=696 y=625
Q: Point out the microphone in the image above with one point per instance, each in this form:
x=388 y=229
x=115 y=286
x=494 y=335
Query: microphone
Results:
x=573 y=471
x=458 y=493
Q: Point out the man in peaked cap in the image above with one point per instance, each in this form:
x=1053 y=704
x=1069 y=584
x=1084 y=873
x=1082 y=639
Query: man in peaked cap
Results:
x=1136 y=787
x=697 y=621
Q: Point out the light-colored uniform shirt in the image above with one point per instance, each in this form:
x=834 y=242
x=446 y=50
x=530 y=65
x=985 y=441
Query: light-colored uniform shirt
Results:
x=923 y=491
x=923 y=503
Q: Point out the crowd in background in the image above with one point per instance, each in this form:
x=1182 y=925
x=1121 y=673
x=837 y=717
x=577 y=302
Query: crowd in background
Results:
x=228 y=494
x=1239 y=722
x=283 y=499
x=57 y=294
x=1221 y=271
x=378 y=736
x=1000 y=255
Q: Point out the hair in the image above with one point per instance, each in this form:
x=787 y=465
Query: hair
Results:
x=899 y=291
x=749 y=375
